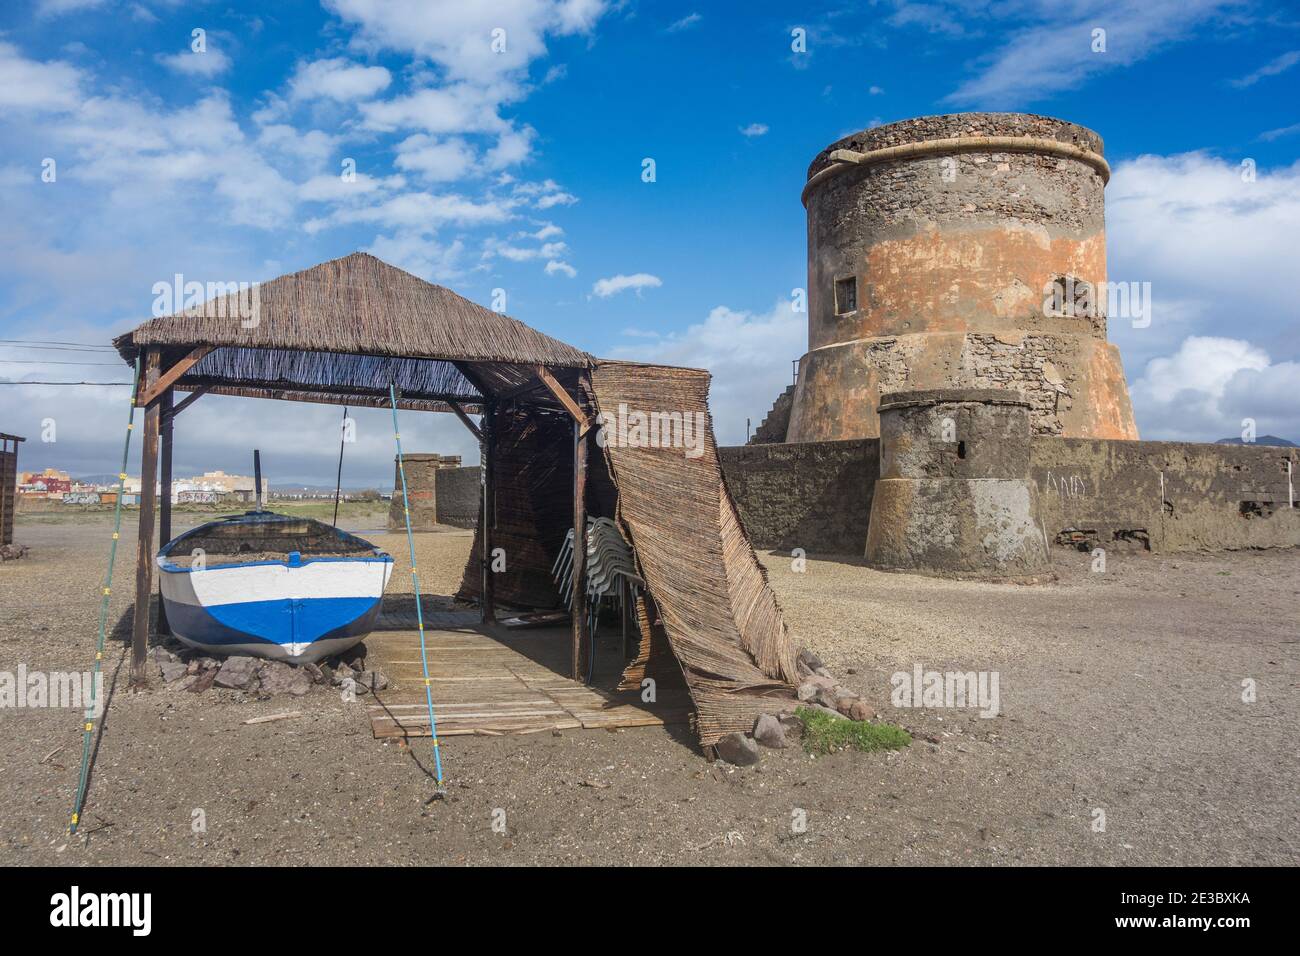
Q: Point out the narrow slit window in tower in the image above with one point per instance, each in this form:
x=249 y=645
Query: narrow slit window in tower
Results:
x=846 y=295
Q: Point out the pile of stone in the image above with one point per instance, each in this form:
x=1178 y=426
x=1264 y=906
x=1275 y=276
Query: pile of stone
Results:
x=185 y=669
x=818 y=690
x=12 y=552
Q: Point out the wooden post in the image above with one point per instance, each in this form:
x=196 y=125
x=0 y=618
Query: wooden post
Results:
x=487 y=481
x=580 y=629
x=165 y=492
x=144 y=548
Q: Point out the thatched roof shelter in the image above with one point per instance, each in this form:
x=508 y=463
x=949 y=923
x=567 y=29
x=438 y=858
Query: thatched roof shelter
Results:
x=347 y=330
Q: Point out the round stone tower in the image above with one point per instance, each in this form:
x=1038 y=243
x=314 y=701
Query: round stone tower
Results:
x=959 y=251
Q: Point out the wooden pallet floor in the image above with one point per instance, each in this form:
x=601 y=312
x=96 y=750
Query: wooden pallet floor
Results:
x=502 y=681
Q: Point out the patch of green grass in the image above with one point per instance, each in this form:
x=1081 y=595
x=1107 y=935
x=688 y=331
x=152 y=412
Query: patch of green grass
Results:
x=824 y=734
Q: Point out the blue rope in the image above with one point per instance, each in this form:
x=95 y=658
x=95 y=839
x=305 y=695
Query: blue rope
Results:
x=88 y=723
x=415 y=582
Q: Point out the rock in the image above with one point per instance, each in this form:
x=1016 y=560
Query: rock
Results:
x=342 y=673
x=160 y=655
x=239 y=673
x=845 y=701
x=860 y=711
x=198 y=683
x=791 y=724
x=316 y=673
x=828 y=697
x=372 y=680
x=355 y=657
x=769 y=732
x=349 y=684
x=813 y=705
x=814 y=685
x=738 y=749
x=173 y=670
x=278 y=677
x=809 y=661
x=12 y=552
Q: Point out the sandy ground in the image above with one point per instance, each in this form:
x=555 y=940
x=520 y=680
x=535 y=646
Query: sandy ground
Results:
x=1120 y=692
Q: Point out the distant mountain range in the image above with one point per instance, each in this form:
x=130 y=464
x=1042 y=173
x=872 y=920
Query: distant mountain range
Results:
x=97 y=479
x=275 y=489
x=1261 y=440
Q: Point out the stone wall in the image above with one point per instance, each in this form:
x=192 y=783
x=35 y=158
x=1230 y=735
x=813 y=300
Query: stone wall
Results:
x=815 y=495
x=438 y=493
x=1167 y=496
x=1093 y=492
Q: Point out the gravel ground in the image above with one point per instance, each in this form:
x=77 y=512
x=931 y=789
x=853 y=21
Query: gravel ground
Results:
x=1119 y=692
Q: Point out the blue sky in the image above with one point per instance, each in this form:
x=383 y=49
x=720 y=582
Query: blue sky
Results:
x=522 y=170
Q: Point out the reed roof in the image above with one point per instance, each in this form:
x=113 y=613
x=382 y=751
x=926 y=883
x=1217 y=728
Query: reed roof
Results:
x=346 y=329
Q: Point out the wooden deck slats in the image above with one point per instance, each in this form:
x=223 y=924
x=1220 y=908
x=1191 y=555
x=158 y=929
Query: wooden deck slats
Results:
x=493 y=681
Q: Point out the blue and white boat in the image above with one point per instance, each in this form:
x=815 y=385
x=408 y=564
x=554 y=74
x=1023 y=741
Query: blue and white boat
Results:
x=272 y=585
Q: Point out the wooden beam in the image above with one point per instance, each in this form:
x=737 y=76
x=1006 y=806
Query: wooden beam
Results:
x=186 y=402
x=144 y=546
x=166 y=413
x=488 y=513
x=151 y=393
x=558 y=390
x=581 y=634
x=341 y=396
x=460 y=413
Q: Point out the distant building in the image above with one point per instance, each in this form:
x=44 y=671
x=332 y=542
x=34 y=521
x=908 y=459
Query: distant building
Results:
x=50 y=483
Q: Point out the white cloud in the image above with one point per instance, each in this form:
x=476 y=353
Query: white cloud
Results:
x=419 y=211
x=749 y=355
x=437 y=161
x=560 y=268
x=754 y=129
x=513 y=147
x=1204 y=390
x=207 y=64
x=1279 y=64
x=458 y=36
x=547 y=230
x=685 y=23
x=330 y=187
x=1054 y=51
x=37 y=86
x=1218 y=251
x=613 y=285
x=56 y=8
x=551 y=200
x=311 y=146
x=458 y=108
x=421 y=256
x=338 y=79
x=548 y=250
x=1269 y=135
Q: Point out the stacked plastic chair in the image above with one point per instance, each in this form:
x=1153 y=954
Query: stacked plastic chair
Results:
x=610 y=575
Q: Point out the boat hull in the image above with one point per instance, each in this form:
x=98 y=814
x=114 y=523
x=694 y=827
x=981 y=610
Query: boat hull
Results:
x=296 y=612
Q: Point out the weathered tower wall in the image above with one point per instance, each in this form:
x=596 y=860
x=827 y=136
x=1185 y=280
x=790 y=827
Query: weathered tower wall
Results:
x=930 y=266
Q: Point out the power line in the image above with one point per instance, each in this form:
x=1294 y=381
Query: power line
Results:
x=26 y=347
x=84 y=345
x=53 y=362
